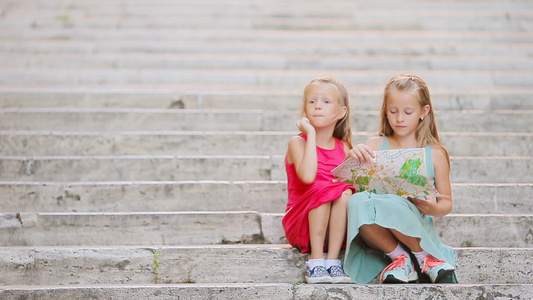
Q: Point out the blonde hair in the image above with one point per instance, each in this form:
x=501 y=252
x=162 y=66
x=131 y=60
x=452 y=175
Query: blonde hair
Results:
x=426 y=132
x=343 y=130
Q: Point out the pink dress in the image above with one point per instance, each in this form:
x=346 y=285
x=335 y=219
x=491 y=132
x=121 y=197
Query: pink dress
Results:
x=305 y=197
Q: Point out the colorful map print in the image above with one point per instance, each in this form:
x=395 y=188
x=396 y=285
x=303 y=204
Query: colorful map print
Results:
x=397 y=171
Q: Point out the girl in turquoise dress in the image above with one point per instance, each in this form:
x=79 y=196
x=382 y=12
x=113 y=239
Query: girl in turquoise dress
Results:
x=386 y=227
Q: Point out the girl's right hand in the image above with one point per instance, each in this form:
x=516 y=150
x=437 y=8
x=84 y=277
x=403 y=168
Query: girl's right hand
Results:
x=304 y=126
x=362 y=152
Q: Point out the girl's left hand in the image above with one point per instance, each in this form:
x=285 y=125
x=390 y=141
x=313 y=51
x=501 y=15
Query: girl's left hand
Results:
x=427 y=206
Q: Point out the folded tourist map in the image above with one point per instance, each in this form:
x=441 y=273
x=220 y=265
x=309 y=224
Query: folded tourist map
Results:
x=397 y=171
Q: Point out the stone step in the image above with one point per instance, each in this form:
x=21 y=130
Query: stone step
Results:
x=146 y=228
x=267 y=16
x=385 y=46
x=464 y=169
x=46 y=143
x=182 y=228
x=140 y=61
x=148 y=168
x=262 y=196
x=212 y=6
x=280 y=291
x=365 y=98
x=456 y=230
x=445 y=78
x=216 y=264
x=514 y=22
x=304 y=36
x=87 y=119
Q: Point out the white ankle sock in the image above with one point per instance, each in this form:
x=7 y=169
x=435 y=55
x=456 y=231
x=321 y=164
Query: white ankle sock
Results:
x=420 y=257
x=397 y=252
x=333 y=262
x=315 y=262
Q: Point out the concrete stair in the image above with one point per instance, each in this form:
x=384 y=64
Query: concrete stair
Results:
x=181 y=228
x=142 y=143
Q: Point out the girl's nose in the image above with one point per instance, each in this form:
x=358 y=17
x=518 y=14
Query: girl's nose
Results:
x=399 y=117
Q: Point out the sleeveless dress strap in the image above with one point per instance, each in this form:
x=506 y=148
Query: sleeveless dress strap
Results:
x=429 y=162
x=384 y=144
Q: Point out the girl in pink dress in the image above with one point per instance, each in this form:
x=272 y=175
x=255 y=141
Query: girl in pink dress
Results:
x=317 y=208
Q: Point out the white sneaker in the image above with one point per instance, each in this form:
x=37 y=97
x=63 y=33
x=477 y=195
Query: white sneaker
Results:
x=338 y=276
x=318 y=274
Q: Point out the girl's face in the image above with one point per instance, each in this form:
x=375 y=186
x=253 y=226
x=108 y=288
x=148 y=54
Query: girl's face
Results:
x=404 y=112
x=322 y=106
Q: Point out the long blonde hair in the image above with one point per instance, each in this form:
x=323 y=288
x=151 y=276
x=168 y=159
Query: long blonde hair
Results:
x=426 y=132
x=343 y=128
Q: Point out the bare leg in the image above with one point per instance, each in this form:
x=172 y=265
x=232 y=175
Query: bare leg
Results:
x=378 y=237
x=337 y=224
x=412 y=242
x=318 y=225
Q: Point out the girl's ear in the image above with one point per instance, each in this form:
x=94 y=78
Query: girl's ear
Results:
x=425 y=110
x=342 y=113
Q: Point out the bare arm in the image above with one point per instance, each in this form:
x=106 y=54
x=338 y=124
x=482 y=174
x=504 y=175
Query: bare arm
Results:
x=303 y=154
x=442 y=205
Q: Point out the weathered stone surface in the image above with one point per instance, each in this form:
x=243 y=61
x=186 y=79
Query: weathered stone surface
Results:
x=443 y=291
x=235 y=120
x=263 y=196
x=216 y=264
x=146 y=228
x=281 y=291
x=44 y=143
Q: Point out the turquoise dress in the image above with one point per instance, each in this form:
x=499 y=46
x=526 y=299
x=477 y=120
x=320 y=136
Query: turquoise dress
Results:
x=389 y=211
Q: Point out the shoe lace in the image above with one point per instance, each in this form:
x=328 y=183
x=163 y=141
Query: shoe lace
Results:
x=431 y=262
x=398 y=261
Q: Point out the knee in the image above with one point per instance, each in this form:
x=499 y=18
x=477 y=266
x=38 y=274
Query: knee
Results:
x=345 y=196
x=347 y=193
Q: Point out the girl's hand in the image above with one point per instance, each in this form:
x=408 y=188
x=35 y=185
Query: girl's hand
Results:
x=427 y=206
x=361 y=152
x=304 y=126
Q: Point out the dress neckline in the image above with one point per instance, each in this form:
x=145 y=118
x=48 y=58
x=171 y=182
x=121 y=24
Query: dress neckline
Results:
x=332 y=149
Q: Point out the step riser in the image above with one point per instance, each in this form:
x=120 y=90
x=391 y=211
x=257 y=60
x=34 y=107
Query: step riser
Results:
x=214 y=143
x=281 y=291
x=109 y=229
x=262 y=196
x=268 y=21
x=204 y=99
x=178 y=196
x=178 y=120
x=289 y=47
x=23 y=266
x=156 y=168
x=129 y=229
x=165 y=168
x=379 y=292
x=211 y=9
x=474 y=231
x=450 y=79
x=454 y=230
x=260 y=62
x=267 y=35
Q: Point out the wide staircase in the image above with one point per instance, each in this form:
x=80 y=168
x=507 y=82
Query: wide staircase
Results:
x=142 y=142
